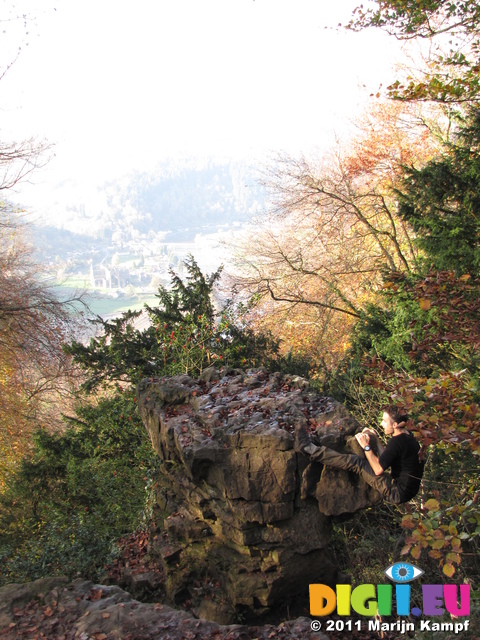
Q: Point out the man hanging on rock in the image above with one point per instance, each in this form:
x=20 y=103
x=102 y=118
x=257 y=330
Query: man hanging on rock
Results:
x=401 y=455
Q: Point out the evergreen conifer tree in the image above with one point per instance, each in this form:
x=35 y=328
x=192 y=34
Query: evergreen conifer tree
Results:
x=442 y=203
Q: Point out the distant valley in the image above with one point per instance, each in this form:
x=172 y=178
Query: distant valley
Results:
x=120 y=239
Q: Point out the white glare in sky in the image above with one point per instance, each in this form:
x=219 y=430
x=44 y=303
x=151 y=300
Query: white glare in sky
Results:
x=123 y=85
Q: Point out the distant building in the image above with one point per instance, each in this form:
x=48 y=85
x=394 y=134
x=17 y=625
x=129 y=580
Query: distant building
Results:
x=103 y=277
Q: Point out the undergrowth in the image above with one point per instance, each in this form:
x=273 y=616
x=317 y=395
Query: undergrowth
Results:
x=78 y=493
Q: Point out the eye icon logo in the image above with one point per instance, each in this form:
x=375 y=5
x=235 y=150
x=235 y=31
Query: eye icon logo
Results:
x=403 y=572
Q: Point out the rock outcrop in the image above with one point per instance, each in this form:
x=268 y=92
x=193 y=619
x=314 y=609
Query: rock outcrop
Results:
x=239 y=509
x=80 y=610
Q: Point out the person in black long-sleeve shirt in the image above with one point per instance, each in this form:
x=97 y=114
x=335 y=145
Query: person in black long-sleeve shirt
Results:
x=401 y=455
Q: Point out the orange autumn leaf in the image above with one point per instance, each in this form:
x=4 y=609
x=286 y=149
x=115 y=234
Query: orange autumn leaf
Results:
x=432 y=505
x=448 y=569
x=416 y=552
x=424 y=304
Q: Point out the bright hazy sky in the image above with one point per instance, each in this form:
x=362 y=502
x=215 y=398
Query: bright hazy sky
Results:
x=123 y=84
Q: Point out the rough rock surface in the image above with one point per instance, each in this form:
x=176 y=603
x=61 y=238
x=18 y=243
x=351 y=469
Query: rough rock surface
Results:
x=236 y=504
x=55 y=608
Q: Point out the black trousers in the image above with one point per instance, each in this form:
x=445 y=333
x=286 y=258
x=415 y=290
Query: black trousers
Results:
x=384 y=484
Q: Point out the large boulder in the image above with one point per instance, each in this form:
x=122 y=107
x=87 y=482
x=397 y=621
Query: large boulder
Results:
x=237 y=505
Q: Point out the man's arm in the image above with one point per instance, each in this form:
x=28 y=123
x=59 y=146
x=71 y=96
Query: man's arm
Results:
x=364 y=439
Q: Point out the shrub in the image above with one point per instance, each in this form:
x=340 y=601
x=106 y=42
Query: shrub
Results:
x=77 y=494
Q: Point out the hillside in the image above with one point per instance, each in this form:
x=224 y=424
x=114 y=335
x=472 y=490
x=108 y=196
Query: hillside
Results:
x=180 y=198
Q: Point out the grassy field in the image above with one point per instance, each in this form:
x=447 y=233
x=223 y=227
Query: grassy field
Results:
x=75 y=282
x=129 y=259
x=100 y=302
x=104 y=306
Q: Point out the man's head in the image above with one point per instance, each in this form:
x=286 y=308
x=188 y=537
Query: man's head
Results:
x=393 y=417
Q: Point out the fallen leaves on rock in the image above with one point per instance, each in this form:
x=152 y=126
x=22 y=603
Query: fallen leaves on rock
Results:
x=76 y=612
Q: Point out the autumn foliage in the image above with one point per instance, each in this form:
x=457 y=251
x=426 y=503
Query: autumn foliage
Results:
x=332 y=230
x=35 y=374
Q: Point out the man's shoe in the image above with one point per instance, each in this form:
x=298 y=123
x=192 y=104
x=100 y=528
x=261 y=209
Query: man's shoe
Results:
x=311 y=450
x=302 y=439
